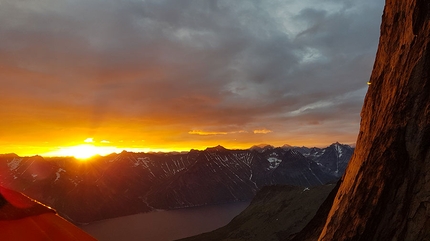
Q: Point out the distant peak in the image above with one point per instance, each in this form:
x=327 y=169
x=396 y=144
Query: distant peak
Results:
x=261 y=147
x=9 y=155
x=286 y=147
x=216 y=148
x=124 y=152
x=336 y=144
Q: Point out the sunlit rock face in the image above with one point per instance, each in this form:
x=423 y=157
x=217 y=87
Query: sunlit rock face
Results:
x=385 y=192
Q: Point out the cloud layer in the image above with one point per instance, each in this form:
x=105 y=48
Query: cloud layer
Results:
x=185 y=72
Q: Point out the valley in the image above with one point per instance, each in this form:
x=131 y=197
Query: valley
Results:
x=165 y=225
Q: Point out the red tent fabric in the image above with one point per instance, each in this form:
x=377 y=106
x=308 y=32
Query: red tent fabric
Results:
x=22 y=218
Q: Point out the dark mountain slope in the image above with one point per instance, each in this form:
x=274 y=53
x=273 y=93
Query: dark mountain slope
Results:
x=295 y=169
x=129 y=183
x=276 y=211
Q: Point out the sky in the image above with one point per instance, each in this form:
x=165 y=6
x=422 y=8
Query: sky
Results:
x=159 y=75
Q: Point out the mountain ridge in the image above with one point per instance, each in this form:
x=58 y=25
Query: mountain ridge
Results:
x=128 y=183
x=253 y=147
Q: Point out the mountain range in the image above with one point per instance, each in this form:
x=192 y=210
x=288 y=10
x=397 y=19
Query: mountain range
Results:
x=128 y=183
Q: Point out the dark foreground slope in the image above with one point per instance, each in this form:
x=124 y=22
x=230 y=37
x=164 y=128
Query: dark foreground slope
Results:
x=385 y=192
x=276 y=211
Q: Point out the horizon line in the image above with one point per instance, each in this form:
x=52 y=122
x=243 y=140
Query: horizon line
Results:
x=166 y=151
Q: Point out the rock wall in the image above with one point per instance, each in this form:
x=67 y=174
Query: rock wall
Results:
x=385 y=192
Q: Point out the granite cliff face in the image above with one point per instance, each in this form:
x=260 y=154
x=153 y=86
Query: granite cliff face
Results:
x=385 y=192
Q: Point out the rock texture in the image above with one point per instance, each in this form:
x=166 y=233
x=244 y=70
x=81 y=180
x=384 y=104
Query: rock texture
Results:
x=385 y=192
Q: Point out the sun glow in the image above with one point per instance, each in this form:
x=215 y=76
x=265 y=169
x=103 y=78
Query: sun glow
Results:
x=83 y=151
x=91 y=148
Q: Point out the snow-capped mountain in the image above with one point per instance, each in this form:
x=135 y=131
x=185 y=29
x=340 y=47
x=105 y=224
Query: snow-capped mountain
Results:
x=333 y=158
x=128 y=183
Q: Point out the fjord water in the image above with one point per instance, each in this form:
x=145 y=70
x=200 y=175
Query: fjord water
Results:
x=165 y=225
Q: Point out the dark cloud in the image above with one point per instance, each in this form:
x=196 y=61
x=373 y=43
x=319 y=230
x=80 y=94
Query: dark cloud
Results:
x=203 y=66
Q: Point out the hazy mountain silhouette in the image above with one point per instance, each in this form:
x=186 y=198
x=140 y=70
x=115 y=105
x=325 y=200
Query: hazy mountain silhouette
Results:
x=128 y=183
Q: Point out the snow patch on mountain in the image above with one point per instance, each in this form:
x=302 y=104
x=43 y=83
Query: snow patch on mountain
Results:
x=58 y=175
x=274 y=162
x=144 y=161
x=14 y=164
x=339 y=150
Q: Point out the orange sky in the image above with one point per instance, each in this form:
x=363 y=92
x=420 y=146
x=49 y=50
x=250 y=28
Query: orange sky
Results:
x=145 y=76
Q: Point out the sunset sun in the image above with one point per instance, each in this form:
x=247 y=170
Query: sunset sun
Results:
x=83 y=151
